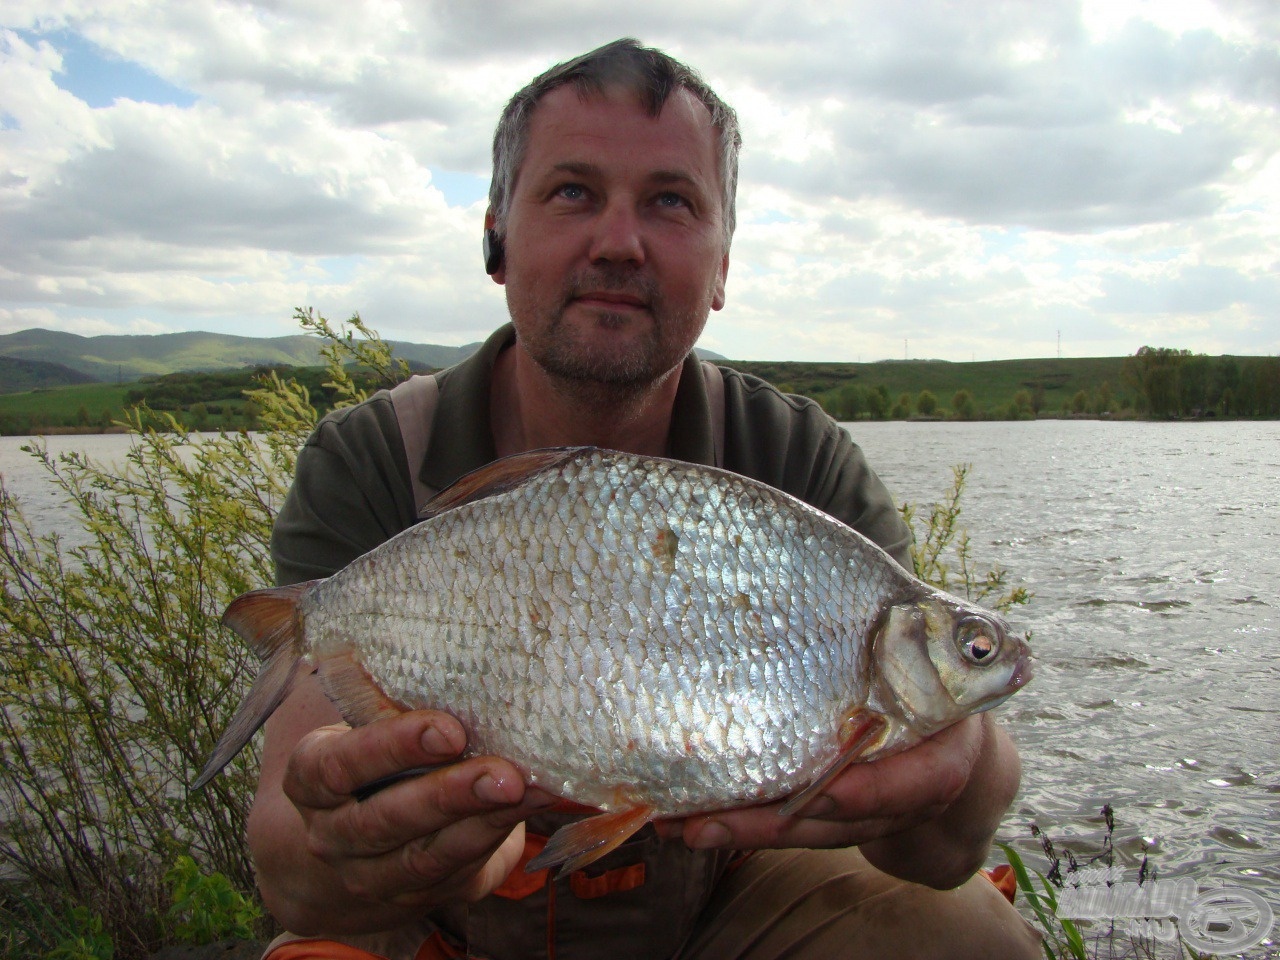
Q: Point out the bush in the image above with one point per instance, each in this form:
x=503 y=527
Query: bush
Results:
x=206 y=907
x=943 y=556
x=118 y=674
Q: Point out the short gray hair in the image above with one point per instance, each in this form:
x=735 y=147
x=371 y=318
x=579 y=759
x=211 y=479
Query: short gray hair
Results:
x=650 y=74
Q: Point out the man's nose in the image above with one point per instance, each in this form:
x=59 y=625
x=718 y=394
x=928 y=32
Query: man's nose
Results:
x=617 y=235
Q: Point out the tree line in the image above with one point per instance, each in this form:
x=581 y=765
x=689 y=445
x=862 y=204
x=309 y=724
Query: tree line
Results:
x=1156 y=383
x=1177 y=383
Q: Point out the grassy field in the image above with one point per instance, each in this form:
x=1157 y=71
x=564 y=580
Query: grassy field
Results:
x=992 y=384
x=89 y=405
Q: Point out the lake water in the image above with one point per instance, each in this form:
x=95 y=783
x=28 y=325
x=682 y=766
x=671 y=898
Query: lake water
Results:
x=1153 y=551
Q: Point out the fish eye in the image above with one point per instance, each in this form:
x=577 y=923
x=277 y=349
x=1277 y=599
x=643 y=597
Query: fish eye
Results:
x=979 y=641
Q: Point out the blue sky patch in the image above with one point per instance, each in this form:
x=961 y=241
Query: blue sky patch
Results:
x=460 y=189
x=99 y=77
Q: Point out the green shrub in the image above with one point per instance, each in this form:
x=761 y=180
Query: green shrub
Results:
x=85 y=940
x=205 y=907
x=943 y=555
x=118 y=675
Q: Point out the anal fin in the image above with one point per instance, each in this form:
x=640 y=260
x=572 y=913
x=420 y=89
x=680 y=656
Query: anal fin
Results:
x=863 y=732
x=577 y=844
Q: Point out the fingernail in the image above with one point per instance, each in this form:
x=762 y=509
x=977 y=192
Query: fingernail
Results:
x=437 y=743
x=712 y=834
x=490 y=789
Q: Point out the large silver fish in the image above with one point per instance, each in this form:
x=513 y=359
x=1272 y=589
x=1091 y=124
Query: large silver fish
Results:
x=643 y=636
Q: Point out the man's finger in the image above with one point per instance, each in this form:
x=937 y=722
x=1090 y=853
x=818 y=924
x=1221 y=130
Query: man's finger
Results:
x=928 y=777
x=418 y=808
x=331 y=763
x=464 y=860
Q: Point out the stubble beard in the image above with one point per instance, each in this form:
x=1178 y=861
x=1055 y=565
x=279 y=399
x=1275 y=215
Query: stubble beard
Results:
x=620 y=377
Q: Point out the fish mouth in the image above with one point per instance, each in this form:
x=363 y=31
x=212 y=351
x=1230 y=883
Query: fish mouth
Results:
x=1020 y=677
x=1022 y=673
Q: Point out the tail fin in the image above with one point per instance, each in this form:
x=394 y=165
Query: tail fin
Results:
x=268 y=621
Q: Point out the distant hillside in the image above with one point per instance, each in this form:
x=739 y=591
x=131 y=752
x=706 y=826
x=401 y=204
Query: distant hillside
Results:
x=991 y=382
x=17 y=375
x=123 y=358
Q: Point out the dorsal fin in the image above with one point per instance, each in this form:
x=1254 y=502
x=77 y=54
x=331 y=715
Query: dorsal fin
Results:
x=504 y=474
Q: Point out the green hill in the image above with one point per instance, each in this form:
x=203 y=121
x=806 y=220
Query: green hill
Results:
x=122 y=358
x=18 y=374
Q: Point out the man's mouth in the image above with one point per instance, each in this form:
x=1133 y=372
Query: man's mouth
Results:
x=611 y=299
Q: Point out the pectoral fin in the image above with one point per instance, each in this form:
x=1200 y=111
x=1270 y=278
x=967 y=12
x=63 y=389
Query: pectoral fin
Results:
x=863 y=732
x=585 y=841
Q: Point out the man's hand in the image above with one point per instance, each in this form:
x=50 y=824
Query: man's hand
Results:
x=446 y=836
x=927 y=814
x=329 y=863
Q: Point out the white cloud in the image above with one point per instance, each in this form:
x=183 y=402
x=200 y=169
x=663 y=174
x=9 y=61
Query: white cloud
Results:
x=971 y=177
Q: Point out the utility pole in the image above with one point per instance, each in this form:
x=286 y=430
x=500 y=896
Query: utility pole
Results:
x=904 y=348
x=1059 y=344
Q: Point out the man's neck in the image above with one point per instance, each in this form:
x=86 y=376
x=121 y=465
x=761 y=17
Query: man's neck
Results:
x=529 y=408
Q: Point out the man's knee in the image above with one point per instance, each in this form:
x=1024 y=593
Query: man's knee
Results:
x=823 y=904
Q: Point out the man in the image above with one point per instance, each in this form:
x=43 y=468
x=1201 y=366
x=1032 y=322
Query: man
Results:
x=610 y=217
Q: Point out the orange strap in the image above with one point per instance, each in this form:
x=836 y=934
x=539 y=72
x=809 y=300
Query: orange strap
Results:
x=434 y=948
x=1004 y=880
x=519 y=884
x=617 y=880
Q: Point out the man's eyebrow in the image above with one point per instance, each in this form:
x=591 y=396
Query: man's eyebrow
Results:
x=675 y=177
x=581 y=168
x=577 y=167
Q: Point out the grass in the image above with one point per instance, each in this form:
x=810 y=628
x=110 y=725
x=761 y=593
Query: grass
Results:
x=60 y=405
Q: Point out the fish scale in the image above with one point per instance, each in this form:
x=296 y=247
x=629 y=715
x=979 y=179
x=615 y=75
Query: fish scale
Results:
x=647 y=637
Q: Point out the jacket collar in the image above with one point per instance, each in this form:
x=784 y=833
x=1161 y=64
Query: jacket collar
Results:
x=461 y=440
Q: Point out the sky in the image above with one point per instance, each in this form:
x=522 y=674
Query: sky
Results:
x=952 y=179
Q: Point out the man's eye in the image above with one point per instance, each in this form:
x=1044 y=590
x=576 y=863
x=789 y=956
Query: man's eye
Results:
x=671 y=200
x=572 y=191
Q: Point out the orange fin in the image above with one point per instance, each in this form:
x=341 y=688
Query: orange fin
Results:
x=268 y=621
x=585 y=841
x=864 y=733
x=498 y=477
x=353 y=691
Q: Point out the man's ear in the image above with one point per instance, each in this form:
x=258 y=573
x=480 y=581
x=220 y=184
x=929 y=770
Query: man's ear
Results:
x=717 y=297
x=491 y=246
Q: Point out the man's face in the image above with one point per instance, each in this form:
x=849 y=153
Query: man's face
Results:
x=615 y=247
